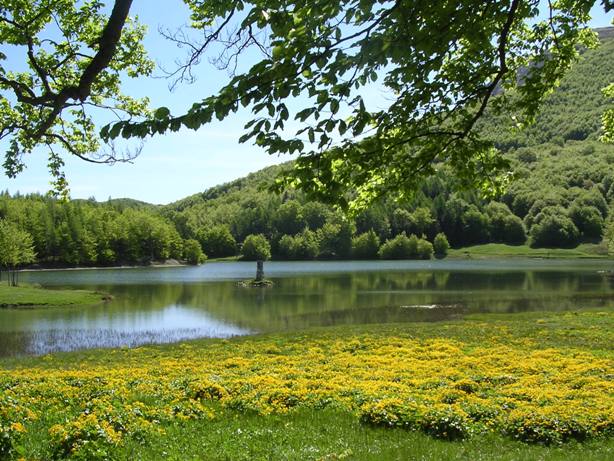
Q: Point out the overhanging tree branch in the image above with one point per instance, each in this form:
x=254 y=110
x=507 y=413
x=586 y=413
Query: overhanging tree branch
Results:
x=63 y=76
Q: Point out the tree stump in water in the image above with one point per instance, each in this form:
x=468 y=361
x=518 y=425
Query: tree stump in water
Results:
x=259 y=271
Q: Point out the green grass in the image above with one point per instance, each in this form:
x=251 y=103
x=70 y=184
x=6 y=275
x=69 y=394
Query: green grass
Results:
x=333 y=435
x=28 y=296
x=329 y=433
x=495 y=250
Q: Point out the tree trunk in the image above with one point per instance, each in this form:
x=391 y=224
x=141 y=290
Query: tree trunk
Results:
x=259 y=271
x=12 y=276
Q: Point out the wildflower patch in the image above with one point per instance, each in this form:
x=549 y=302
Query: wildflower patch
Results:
x=447 y=388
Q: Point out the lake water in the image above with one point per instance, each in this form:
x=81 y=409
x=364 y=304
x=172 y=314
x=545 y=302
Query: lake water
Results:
x=160 y=305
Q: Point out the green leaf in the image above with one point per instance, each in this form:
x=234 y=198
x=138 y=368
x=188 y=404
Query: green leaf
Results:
x=334 y=106
x=115 y=130
x=162 y=113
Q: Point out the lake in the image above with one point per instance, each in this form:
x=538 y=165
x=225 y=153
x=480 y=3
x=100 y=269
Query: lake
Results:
x=169 y=304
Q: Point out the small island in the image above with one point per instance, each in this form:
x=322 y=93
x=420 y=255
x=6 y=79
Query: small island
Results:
x=259 y=281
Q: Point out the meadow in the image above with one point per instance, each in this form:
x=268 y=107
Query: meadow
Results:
x=523 y=386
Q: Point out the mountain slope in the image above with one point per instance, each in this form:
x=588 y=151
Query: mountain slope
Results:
x=572 y=112
x=558 y=158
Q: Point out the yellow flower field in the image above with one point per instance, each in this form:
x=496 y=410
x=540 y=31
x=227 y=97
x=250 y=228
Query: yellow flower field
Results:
x=445 y=387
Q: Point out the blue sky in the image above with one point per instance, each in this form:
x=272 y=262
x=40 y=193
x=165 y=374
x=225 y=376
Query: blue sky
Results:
x=175 y=165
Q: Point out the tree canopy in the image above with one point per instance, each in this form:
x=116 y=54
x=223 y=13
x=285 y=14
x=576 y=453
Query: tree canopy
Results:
x=608 y=117
x=443 y=65
x=16 y=248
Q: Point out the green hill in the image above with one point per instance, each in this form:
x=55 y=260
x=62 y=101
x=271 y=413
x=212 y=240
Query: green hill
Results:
x=561 y=197
x=559 y=165
x=573 y=111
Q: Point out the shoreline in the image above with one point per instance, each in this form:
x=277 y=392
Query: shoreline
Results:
x=81 y=268
x=477 y=252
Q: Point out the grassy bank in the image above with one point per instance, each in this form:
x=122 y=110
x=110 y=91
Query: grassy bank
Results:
x=28 y=296
x=496 y=250
x=501 y=250
x=527 y=386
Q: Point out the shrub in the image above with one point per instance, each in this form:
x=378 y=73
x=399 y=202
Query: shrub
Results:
x=289 y=218
x=315 y=214
x=441 y=245
x=592 y=198
x=335 y=240
x=505 y=227
x=285 y=247
x=255 y=248
x=373 y=218
x=554 y=229
x=514 y=232
x=425 y=249
x=192 y=252
x=553 y=200
x=299 y=247
x=475 y=226
x=400 y=247
x=217 y=242
x=423 y=222
x=402 y=221
x=365 y=246
x=526 y=156
x=522 y=203
x=588 y=220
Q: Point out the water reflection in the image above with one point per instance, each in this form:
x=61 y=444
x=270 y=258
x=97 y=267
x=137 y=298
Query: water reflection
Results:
x=172 y=304
x=52 y=330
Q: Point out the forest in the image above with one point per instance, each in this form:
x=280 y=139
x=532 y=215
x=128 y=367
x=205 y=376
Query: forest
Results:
x=559 y=195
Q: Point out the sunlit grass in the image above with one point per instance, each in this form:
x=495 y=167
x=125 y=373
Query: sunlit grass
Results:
x=584 y=250
x=29 y=296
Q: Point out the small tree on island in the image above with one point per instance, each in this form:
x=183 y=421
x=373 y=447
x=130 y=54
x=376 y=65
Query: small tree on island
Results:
x=16 y=249
x=256 y=248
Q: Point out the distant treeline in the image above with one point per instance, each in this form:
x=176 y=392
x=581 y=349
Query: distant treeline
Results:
x=561 y=198
x=86 y=233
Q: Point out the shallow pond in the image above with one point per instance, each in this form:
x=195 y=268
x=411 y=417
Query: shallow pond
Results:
x=158 y=305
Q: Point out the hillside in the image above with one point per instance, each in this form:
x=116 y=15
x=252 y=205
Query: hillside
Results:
x=572 y=112
x=580 y=90
x=558 y=162
x=560 y=197
x=253 y=181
